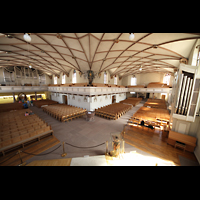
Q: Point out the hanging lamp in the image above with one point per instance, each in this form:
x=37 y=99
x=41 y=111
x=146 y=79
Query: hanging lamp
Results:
x=131 y=36
x=27 y=37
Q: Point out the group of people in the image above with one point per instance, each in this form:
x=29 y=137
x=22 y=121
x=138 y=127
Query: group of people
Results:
x=27 y=103
x=30 y=113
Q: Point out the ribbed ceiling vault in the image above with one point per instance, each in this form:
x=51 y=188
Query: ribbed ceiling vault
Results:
x=60 y=52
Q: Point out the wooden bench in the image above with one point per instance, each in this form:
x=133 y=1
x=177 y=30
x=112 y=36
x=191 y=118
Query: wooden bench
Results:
x=27 y=140
x=135 y=86
x=189 y=142
x=157 y=85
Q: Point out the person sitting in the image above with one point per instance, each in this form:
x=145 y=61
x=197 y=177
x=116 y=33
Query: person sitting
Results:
x=26 y=113
x=25 y=105
x=28 y=103
x=142 y=123
x=31 y=102
x=150 y=126
x=31 y=113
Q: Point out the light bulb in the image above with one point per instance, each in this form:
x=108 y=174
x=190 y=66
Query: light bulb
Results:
x=131 y=36
x=27 y=37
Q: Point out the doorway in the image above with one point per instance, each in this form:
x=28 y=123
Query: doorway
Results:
x=113 y=99
x=65 y=100
x=147 y=96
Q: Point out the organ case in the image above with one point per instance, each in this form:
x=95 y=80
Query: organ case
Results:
x=186 y=93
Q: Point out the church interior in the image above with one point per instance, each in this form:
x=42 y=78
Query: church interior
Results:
x=99 y=99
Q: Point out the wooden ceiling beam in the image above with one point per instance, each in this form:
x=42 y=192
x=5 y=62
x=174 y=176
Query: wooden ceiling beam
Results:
x=96 y=49
x=56 y=52
x=109 y=51
x=71 y=52
x=83 y=50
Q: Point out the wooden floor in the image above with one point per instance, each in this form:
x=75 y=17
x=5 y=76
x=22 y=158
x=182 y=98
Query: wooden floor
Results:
x=153 y=143
x=36 y=147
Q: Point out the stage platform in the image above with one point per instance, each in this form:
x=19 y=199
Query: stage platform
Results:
x=128 y=159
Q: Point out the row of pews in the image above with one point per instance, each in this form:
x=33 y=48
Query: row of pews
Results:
x=39 y=103
x=116 y=110
x=63 y=112
x=132 y=100
x=155 y=116
x=85 y=85
x=10 y=106
x=113 y=111
x=16 y=129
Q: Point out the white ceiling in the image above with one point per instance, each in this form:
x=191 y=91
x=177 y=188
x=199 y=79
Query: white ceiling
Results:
x=97 y=51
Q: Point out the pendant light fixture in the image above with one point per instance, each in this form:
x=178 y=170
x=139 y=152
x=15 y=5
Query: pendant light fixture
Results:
x=27 y=37
x=131 y=36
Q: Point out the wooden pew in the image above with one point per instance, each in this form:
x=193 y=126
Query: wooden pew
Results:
x=157 y=85
x=17 y=129
x=135 y=86
x=189 y=142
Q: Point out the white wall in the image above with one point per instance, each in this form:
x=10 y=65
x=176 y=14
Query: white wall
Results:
x=90 y=103
x=57 y=97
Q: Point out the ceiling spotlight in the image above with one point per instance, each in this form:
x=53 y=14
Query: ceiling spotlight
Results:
x=9 y=36
x=140 y=68
x=155 y=46
x=27 y=37
x=30 y=66
x=59 y=36
x=131 y=36
x=116 y=40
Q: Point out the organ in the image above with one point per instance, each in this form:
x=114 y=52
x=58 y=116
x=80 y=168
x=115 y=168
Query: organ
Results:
x=186 y=93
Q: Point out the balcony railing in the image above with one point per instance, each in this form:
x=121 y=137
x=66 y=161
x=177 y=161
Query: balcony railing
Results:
x=7 y=89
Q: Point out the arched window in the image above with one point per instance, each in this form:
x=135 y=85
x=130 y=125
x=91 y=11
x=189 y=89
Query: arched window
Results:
x=133 y=80
x=115 y=80
x=55 y=79
x=63 y=78
x=105 y=78
x=74 y=77
x=166 y=79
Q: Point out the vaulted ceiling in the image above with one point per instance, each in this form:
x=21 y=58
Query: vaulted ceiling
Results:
x=60 y=52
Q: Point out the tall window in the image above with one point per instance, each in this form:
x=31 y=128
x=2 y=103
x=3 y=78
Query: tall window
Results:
x=133 y=81
x=166 y=79
x=105 y=78
x=63 y=79
x=74 y=77
x=115 y=80
x=55 y=79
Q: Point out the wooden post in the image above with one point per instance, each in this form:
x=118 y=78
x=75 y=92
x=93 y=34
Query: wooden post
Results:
x=107 y=148
x=64 y=154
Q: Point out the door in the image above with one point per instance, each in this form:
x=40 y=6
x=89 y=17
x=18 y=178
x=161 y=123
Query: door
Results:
x=163 y=96
x=147 y=96
x=65 y=99
x=113 y=98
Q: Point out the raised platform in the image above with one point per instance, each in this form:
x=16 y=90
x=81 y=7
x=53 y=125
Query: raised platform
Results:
x=128 y=159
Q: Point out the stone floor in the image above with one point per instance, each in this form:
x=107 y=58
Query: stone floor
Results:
x=84 y=133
